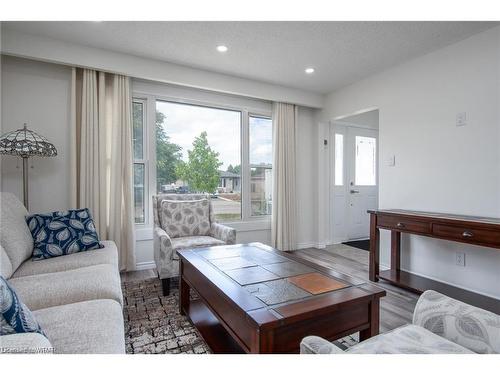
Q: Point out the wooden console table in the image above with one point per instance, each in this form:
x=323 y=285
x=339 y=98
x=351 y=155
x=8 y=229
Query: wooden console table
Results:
x=472 y=230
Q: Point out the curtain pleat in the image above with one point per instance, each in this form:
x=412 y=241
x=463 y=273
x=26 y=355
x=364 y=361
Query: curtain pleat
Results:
x=102 y=156
x=284 y=213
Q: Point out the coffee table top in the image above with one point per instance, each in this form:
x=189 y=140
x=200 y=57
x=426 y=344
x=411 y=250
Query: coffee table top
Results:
x=256 y=276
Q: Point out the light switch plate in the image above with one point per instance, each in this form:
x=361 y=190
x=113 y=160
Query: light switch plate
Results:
x=462 y=119
x=390 y=161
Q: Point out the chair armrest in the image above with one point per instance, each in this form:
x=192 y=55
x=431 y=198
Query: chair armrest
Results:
x=163 y=252
x=468 y=326
x=318 y=345
x=25 y=343
x=223 y=233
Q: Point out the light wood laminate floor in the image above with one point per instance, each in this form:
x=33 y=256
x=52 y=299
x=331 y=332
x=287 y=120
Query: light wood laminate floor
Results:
x=396 y=309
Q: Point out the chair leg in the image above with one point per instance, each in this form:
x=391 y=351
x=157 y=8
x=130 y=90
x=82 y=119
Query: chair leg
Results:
x=165 y=284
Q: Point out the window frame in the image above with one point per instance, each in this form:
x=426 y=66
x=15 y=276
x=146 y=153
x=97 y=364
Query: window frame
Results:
x=144 y=160
x=245 y=223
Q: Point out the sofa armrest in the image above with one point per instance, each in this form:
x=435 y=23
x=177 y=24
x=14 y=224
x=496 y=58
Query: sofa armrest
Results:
x=25 y=343
x=223 y=233
x=318 y=345
x=468 y=326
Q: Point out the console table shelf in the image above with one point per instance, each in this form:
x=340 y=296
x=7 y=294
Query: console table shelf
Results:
x=419 y=284
x=466 y=229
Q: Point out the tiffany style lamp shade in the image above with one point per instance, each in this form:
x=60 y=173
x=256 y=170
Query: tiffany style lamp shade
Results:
x=25 y=144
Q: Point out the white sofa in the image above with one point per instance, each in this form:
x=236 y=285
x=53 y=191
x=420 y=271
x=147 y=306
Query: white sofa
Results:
x=76 y=299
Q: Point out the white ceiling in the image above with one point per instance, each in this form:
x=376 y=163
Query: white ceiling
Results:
x=274 y=52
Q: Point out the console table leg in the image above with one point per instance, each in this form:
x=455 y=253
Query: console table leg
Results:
x=374 y=248
x=395 y=250
x=183 y=293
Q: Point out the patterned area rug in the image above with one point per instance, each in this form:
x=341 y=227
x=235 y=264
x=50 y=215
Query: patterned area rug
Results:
x=153 y=324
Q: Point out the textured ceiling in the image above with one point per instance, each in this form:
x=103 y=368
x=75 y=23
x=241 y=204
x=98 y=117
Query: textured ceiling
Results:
x=274 y=52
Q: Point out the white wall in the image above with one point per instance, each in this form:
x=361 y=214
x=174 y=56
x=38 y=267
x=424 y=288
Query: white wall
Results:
x=38 y=94
x=439 y=167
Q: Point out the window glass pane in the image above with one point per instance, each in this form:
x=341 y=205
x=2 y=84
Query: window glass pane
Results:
x=339 y=159
x=261 y=190
x=139 y=193
x=366 y=159
x=261 y=140
x=198 y=151
x=138 y=129
x=261 y=158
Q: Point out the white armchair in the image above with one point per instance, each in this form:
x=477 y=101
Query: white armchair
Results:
x=184 y=221
x=441 y=325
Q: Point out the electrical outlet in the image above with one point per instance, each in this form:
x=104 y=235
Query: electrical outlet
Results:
x=460 y=259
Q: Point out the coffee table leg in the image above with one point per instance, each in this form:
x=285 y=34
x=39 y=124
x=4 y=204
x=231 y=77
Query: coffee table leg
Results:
x=373 y=330
x=183 y=292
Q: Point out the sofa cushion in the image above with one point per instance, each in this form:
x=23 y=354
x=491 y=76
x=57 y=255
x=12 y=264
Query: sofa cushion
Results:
x=194 y=241
x=5 y=264
x=25 y=343
x=16 y=317
x=62 y=232
x=58 y=288
x=107 y=255
x=408 y=339
x=15 y=236
x=84 y=327
x=186 y=218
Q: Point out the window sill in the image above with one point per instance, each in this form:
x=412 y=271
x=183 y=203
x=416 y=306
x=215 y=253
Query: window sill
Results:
x=145 y=233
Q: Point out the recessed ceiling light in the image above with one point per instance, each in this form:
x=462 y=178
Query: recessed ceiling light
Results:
x=309 y=70
x=222 y=48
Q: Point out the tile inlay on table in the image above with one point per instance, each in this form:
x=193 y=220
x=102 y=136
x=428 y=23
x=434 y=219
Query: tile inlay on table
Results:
x=316 y=283
x=251 y=275
x=287 y=269
x=232 y=263
x=216 y=253
x=276 y=291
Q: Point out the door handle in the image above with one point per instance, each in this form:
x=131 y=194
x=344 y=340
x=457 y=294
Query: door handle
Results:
x=354 y=191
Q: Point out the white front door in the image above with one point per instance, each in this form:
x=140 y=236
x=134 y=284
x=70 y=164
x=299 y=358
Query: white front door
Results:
x=361 y=150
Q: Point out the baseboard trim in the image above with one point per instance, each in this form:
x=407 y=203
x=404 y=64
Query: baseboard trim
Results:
x=145 y=266
x=461 y=286
x=306 y=245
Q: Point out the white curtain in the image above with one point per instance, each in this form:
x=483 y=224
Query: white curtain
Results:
x=101 y=157
x=284 y=213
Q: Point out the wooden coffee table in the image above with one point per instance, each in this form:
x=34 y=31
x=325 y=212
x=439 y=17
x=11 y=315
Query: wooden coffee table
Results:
x=255 y=299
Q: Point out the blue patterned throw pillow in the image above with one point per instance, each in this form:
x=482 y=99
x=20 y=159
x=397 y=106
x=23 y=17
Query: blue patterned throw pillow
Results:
x=15 y=316
x=61 y=233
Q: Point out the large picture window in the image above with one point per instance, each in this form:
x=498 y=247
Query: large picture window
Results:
x=187 y=147
x=198 y=151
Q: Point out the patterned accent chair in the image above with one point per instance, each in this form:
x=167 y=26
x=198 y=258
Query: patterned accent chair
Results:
x=189 y=224
x=441 y=325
